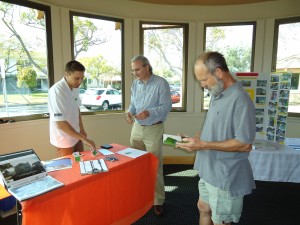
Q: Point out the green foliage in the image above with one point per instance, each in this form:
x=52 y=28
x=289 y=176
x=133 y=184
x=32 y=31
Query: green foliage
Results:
x=98 y=68
x=213 y=36
x=86 y=35
x=26 y=78
x=16 y=46
x=238 y=56
x=238 y=59
x=164 y=51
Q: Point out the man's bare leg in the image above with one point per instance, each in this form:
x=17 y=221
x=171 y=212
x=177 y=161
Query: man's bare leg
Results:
x=205 y=213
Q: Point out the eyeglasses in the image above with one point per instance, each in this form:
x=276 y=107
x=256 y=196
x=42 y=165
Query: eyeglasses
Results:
x=133 y=72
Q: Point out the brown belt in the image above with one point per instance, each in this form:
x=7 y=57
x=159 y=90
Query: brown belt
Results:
x=159 y=122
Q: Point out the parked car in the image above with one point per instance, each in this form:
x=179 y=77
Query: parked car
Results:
x=81 y=92
x=175 y=96
x=103 y=98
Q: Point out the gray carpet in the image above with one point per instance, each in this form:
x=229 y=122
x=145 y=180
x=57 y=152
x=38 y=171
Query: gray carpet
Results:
x=271 y=203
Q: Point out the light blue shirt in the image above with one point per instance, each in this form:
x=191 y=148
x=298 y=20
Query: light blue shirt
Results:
x=154 y=96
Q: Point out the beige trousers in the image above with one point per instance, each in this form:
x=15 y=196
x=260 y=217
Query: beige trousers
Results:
x=149 y=138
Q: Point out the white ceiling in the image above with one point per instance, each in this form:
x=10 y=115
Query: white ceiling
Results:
x=202 y=2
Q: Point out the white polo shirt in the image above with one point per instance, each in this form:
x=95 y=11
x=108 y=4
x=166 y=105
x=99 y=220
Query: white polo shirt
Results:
x=63 y=105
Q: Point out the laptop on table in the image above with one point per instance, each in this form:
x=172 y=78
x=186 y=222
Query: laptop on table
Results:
x=24 y=175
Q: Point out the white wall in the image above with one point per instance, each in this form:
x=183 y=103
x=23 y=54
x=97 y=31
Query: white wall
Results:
x=113 y=128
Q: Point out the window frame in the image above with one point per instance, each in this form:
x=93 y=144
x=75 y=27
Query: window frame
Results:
x=50 y=63
x=235 y=24
x=112 y=19
x=185 y=27
x=253 y=23
x=277 y=23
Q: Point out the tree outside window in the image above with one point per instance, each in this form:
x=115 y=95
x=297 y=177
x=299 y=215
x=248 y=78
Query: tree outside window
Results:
x=165 y=46
x=235 y=42
x=97 y=44
x=26 y=56
x=286 y=57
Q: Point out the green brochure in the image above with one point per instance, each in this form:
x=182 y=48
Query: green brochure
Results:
x=171 y=140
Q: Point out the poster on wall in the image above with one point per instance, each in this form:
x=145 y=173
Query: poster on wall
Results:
x=280 y=85
x=270 y=95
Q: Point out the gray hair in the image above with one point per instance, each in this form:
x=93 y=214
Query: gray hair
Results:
x=144 y=60
x=212 y=61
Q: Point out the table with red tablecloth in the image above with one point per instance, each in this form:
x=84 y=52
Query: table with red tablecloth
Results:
x=120 y=196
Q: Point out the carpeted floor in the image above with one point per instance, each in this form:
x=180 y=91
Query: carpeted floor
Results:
x=270 y=203
x=181 y=183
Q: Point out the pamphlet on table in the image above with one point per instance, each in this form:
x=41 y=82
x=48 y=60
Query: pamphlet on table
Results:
x=58 y=164
x=132 y=153
x=293 y=143
x=105 y=151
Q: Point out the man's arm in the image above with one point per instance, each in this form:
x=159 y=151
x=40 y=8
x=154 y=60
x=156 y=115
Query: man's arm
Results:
x=232 y=145
x=68 y=129
x=81 y=127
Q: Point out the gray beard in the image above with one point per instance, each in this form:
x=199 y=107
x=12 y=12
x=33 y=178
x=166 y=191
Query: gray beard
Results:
x=218 y=88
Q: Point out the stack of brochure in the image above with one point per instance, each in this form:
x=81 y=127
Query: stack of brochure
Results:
x=93 y=166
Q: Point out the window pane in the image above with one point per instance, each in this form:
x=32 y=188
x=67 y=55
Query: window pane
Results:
x=97 y=44
x=235 y=42
x=164 y=46
x=288 y=59
x=23 y=59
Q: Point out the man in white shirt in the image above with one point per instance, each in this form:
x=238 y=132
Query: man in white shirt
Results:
x=67 y=133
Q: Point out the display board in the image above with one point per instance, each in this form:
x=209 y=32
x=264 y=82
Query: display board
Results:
x=270 y=95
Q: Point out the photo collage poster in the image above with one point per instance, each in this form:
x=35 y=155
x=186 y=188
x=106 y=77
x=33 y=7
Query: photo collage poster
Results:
x=280 y=85
x=270 y=95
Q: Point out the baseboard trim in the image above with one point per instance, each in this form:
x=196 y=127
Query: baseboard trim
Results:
x=188 y=160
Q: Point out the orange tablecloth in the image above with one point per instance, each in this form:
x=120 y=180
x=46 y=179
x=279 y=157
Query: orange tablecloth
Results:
x=120 y=196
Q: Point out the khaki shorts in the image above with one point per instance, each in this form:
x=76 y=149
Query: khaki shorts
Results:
x=224 y=207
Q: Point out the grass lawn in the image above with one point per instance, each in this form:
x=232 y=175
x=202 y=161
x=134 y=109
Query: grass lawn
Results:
x=32 y=98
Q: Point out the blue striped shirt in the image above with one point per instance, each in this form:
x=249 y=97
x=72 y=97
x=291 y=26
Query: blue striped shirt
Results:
x=154 y=96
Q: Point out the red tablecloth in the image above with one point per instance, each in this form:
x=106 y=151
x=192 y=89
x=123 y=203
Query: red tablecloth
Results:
x=120 y=196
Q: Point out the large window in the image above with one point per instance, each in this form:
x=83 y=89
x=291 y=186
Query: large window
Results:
x=165 y=45
x=26 y=63
x=286 y=57
x=98 y=45
x=236 y=42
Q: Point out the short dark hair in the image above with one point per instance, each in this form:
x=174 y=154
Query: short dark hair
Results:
x=73 y=66
x=144 y=60
x=212 y=61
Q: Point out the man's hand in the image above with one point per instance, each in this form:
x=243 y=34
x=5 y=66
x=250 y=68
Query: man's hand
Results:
x=143 y=115
x=129 y=117
x=83 y=133
x=90 y=143
x=191 y=144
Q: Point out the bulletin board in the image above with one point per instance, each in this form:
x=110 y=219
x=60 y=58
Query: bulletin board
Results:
x=270 y=95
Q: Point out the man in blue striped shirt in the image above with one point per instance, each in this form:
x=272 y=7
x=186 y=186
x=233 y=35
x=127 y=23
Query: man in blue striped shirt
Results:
x=149 y=106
